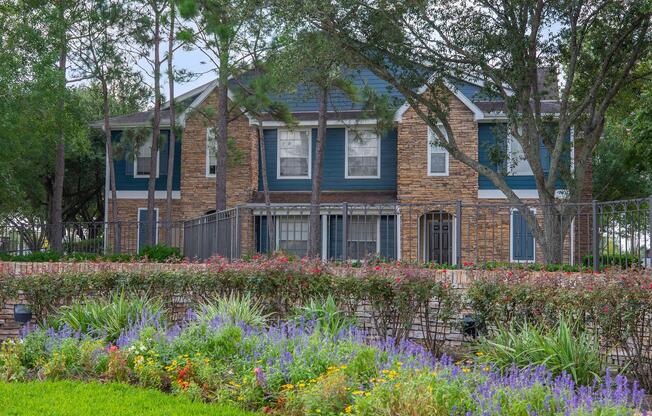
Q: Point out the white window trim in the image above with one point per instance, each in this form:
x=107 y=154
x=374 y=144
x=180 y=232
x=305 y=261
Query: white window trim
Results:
x=510 y=172
x=346 y=157
x=208 y=174
x=138 y=227
x=431 y=148
x=511 y=239
x=278 y=155
x=158 y=165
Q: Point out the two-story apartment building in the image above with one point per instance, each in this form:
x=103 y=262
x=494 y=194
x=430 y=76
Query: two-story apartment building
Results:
x=393 y=194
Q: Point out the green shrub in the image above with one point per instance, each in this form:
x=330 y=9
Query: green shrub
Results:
x=161 y=253
x=614 y=259
x=234 y=308
x=36 y=256
x=107 y=318
x=327 y=315
x=561 y=349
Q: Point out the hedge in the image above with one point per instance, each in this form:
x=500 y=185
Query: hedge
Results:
x=396 y=296
x=616 y=306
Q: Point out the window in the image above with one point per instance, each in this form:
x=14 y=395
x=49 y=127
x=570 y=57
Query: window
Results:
x=142 y=165
x=294 y=154
x=438 y=159
x=363 y=237
x=293 y=235
x=522 y=246
x=362 y=154
x=211 y=152
x=518 y=164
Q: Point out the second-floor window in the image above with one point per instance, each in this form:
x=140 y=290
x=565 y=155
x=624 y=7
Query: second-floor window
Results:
x=438 y=158
x=518 y=164
x=362 y=154
x=142 y=160
x=211 y=153
x=294 y=154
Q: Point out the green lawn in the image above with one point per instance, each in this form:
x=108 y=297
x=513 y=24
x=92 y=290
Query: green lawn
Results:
x=76 y=398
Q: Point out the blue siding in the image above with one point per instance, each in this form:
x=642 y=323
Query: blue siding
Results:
x=304 y=99
x=125 y=180
x=486 y=141
x=334 y=175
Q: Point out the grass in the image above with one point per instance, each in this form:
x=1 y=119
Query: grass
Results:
x=77 y=398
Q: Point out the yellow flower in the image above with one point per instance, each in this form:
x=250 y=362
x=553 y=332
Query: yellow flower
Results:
x=385 y=371
x=487 y=368
x=301 y=385
x=479 y=353
x=358 y=393
x=466 y=370
x=287 y=386
x=343 y=366
x=347 y=409
x=367 y=394
x=381 y=380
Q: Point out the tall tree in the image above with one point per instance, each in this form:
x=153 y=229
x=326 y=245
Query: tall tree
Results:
x=172 y=137
x=100 y=57
x=226 y=32
x=149 y=32
x=422 y=47
x=311 y=59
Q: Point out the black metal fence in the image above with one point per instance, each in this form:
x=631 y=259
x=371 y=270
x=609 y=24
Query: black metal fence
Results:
x=593 y=234
x=122 y=237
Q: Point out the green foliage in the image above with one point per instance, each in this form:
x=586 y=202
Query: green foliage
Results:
x=327 y=315
x=106 y=318
x=612 y=307
x=78 y=398
x=234 y=308
x=161 y=253
x=560 y=349
x=622 y=260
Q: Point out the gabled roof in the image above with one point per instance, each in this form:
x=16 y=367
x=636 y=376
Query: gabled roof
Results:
x=303 y=103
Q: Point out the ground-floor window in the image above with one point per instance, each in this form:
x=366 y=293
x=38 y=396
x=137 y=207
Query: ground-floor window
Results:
x=363 y=237
x=293 y=235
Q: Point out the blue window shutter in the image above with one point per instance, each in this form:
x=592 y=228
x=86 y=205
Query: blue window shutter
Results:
x=545 y=158
x=335 y=237
x=129 y=166
x=388 y=236
x=142 y=228
x=163 y=159
x=522 y=238
x=262 y=243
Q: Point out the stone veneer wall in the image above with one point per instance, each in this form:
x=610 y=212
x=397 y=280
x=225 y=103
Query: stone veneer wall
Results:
x=414 y=186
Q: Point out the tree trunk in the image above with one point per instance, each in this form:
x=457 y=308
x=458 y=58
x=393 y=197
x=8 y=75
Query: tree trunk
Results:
x=271 y=236
x=172 y=136
x=56 y=235
x=553 y=235
x=314 y=233
x=221 y=132
x=109 y=158
x=156 y=131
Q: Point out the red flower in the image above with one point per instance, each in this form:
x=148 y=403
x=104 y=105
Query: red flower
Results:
x=444 y=270
x=605 y=309
x=510 y=274
x=113 y=348
x=377 y=268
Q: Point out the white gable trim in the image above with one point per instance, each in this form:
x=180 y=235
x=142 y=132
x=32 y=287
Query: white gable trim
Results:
x=477 y=113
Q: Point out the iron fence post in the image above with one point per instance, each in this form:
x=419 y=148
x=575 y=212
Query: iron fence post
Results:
x=345 y=233
x=238 y=244
x=595 y=242
x=458 y=234
x=649 y=244
x=118 y=233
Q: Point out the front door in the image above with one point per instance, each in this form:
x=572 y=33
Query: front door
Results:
x=439 y=238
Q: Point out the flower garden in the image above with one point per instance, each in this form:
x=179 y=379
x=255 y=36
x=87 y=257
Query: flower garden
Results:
x=287 y=337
